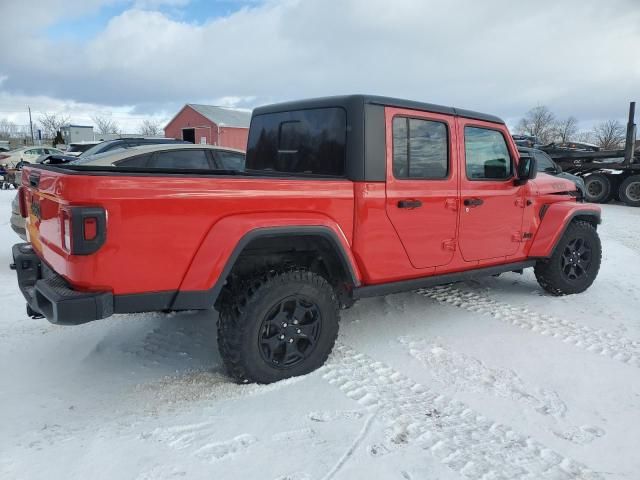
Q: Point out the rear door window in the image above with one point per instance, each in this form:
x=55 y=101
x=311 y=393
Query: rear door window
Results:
x=181 y=159
x=420 y=149
x=486 y=154
x=309 y=142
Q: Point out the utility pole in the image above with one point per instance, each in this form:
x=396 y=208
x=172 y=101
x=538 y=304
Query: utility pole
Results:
x=31 y=126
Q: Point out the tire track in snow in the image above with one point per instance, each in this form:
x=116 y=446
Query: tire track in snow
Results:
x=454 y=368
x=596 y=341
x=197 y=438
x=457 y=436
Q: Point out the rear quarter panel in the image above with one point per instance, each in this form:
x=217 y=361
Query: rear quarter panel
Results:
x=156 y=224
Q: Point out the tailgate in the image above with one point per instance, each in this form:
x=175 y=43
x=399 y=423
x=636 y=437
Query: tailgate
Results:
x=57 y=228
x=43 y=208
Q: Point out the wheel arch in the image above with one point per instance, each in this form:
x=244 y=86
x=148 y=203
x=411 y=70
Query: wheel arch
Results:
x=328 y=240
x=556 y=219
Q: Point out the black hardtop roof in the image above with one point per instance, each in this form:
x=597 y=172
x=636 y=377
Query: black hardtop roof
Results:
x=350 y=101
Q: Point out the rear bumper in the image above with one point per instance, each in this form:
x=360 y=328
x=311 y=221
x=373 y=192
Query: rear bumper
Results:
x=48 y=293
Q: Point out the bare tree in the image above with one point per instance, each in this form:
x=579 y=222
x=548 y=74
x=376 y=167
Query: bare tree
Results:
x=150 y=128
x=51 y=123
x=566 y=130
x=584 y=136
x=105 y=125
x=538 y=122
x=7 y=128
x=609 y=135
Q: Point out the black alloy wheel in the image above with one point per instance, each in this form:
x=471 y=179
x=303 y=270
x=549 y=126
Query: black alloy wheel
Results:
x=576 y=258
x=290 y=331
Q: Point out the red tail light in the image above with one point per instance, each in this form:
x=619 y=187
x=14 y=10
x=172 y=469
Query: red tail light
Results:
x=65 y=220
x=22 y=201
x=83 y=229
x=2 y=157
x=90 y=228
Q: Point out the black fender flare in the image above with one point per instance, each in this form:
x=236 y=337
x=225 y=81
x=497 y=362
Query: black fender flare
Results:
x=205 y=299
x=593 y=216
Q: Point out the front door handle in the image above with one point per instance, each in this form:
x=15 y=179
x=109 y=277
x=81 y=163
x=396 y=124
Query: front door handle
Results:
x=409 y=203
x=473 y=202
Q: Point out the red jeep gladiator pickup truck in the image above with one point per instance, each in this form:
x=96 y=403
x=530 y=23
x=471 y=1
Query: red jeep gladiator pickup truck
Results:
x=342 y=198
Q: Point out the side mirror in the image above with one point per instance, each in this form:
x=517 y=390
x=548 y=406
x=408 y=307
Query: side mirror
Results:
x=527 y=170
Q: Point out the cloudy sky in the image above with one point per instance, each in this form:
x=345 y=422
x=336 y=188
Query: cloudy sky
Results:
x=133 y=59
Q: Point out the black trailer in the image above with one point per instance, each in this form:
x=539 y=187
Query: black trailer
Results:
x=608 y=174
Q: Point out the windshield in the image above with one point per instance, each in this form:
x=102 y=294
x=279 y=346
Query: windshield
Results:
x=95 y=149
x=545 y=163
x=80 y=147
x=84 y=159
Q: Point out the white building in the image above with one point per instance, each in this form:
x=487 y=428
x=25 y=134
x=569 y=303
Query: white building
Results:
x=77 y=133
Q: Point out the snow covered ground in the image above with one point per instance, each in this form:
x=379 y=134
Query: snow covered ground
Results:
x=491 y=379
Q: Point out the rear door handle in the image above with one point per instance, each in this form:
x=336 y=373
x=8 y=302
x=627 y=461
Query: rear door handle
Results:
x=409 y=203
x=473 y=202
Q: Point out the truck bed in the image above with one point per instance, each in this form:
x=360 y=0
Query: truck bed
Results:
x=157 y=220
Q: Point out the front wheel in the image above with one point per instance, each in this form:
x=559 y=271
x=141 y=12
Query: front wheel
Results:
x=575 y=262
x=277 y=325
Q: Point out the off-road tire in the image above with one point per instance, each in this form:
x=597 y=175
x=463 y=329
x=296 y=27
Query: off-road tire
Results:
x=597 y=188
x=629 y=191
x=246 y=308
x=552 y=273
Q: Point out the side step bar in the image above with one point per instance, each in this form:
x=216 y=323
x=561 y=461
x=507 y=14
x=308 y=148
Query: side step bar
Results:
x=434 y=280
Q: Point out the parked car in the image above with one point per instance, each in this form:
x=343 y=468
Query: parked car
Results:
x=17 y=220
x=179 y=156
x=76 y=149
x=11 y=159
x=545 y=164
x=110 y=145
x=342 y=198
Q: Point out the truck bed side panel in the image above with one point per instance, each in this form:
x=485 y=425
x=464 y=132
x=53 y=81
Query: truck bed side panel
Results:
x=156 y=223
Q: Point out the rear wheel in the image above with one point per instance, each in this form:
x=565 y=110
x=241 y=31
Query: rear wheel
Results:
x=629 y=191
x=575 y=262
x=598 y=188
x=278 y=325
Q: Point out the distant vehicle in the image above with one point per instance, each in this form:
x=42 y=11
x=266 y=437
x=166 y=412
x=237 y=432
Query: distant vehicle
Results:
x=608 y=174
x=181 y=156
x=4 y=149
x=545 y=164
x=76 y=149
x=108 y=146
x=525 y=140
x=584 y=146
x=11 y=159
x=17 y=221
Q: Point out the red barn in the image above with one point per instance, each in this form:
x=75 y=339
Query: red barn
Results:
x=225 y=127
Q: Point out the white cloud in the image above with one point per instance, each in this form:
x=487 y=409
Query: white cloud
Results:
x=495 y=56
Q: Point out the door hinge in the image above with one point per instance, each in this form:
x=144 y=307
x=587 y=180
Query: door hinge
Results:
x=451 y=203
x=449 y=244
x=521 y=236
